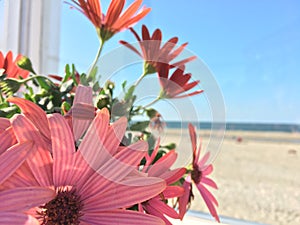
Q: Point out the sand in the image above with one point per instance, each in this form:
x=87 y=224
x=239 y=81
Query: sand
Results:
x=258 y=177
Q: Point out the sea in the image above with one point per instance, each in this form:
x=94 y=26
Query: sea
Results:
x=277 y=127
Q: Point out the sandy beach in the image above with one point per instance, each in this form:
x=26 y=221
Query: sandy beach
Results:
x=257 y=174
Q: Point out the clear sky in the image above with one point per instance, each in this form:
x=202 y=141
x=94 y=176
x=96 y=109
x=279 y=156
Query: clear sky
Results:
x=251 y=46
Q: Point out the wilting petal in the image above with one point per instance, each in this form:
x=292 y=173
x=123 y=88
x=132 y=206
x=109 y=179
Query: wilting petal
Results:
x=13 y=158
x=21 y=199
x=17 y=218
x=120 y=217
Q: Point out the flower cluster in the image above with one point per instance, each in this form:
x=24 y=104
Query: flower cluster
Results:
x=65 y=158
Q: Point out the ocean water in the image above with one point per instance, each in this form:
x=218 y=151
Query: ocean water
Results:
x=238 y=126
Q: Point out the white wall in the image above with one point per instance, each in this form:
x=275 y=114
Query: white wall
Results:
x=32 y=28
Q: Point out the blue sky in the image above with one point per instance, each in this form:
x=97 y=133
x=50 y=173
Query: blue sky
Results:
x=251 y=46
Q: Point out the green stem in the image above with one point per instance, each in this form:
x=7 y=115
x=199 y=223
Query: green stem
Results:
x=140 y=78
x=34 y=77
x=96 y=58
x=151 y=103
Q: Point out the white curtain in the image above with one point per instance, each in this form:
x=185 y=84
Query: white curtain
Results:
x=32 y=28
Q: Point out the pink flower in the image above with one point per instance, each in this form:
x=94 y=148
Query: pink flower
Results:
x=79 y=117
x=177 y=84
x=15 y=201
x=113 y=22
x=94 y=184
x=10 y=66
x=199 y=176
x=153 y=53
x=157 y=123
x=157 y=206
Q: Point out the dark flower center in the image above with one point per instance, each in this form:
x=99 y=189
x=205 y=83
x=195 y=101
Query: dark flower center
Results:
x=63 y=209
x=196 y=174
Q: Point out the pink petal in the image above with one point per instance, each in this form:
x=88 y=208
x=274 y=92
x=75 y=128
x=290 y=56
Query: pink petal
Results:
x=40 y=161
x=92 y=147
x=4 y=123
x=202 y=162
x=120 y=217
x=208 y=170
x=209 y=201
x=21 y=199
x=83 y=95
x=22 y=177
x=209 y=182
x=207 y=193
x=163 y=164
x=127 y=193
x=7 y=139
x=173 y=191
x=184 y=199
x=153 y=211
x=154 y=153
x=193 y=137
x=17 y=218
x=119 y=166
x=157 y=207
x=173 y=175
x=34 y=113
x=63 y=150
x=13 y=158
x=130 y=47
x=115 y=134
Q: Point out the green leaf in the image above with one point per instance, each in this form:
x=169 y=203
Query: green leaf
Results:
x=139 y=126
x=124 y=85
x=151 y=113
x=129 y=93
x=67 y=86
x=170 y=146
x=44 y=83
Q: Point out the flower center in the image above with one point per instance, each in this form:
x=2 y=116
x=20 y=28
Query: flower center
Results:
x=63 y=209
x=196 y=174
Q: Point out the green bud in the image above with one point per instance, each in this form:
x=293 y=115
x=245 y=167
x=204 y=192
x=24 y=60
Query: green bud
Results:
x=25 y=64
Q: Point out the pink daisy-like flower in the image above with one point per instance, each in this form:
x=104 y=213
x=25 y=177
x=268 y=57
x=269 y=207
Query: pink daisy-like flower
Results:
x=177 y=84
x=17 y=200
x=10 y=66
x=199 y=176
x=114 y=20
x=153 y=53
x=157 y=206
x=94 y=184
